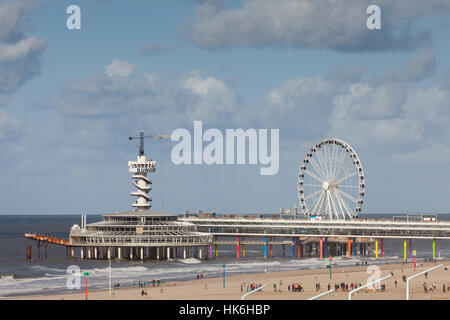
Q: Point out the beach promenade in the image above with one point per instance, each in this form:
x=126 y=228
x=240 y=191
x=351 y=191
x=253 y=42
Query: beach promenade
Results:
x=236 y=286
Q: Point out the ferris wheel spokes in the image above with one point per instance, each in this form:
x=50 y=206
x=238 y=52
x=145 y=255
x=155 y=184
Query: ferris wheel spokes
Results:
x=331 y=181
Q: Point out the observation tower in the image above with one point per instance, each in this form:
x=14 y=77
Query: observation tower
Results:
x=140 y=168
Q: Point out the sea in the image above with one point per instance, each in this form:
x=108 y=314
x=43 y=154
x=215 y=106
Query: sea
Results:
x=20 y=277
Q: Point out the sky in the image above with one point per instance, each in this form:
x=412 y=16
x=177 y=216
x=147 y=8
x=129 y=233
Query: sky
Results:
x=69 y=99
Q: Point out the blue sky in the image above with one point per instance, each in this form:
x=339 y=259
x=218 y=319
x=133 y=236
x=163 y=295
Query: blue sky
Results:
x=64 y=124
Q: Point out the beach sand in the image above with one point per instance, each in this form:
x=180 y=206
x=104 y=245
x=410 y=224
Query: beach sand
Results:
x=212 y=288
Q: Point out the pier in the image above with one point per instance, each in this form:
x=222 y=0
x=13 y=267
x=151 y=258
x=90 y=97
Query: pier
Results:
x=328 y=225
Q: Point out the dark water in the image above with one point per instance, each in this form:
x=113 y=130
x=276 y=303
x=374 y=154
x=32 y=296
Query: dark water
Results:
x=21 y=277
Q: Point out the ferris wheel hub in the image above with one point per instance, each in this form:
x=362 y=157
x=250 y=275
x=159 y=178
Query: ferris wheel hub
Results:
x=325 y=185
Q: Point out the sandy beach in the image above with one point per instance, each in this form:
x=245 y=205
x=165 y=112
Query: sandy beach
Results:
x=212 y=288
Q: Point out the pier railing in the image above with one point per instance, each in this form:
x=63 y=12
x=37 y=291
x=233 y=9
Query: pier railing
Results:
x=321 y=228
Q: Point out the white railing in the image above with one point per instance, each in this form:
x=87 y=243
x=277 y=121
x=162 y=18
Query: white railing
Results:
x=321 y=295
x=257 y=289
x=366 y=285
x=416 y=275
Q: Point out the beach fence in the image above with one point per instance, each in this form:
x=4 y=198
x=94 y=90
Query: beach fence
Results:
x=416 y=275
x=321 y=295
x=367 y=285
x=248 y=293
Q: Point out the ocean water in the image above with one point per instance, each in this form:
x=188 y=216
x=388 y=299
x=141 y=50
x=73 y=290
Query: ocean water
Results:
x=21 y=277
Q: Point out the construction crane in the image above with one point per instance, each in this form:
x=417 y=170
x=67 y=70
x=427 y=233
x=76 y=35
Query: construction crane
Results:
x=141 y=138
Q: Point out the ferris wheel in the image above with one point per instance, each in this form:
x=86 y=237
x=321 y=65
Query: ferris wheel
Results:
x=331 y=181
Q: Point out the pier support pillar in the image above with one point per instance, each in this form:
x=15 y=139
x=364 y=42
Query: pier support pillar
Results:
x=168 y=253
x=376 y=248
x=439 y=248
x=89 y=253
x=142 y=254
x=157 y=254
x=131 y=253
x=109 y=253
x=284 y=250
x=200 y=253
x=434 y=249
x=243 y=250
x=410 y=248
x=299 y=247
x=349 y=247
x=381 y=247
x=293 y=249
x=210 y=252
x=217 y=250
x=72 y=253
x=184 y=252
x=326 y=248
x=270 y=247
x=354 y=247
x=119 y=253
x=95 y=253
x=404 y=249
x=237 y=248
x=81 y=253
x=321 y=248
x=265 y=247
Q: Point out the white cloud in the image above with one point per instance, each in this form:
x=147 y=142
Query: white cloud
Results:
x=418 y=68
x=109 y=108
x=120 y=68
x=19 y=53
x=339 y=25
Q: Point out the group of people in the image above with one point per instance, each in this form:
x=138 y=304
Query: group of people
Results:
x=143 y=284
x=199 y=276
x=345 y=286
x=296 y=287
x=433 y=288
x=251 y=286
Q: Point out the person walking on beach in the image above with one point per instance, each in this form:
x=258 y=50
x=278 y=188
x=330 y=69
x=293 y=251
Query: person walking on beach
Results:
x=274 y=287
x=443 y=288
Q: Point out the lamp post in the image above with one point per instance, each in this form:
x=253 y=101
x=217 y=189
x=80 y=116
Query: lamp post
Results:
x=86 y=274
x=331 y=260
x=223 y=266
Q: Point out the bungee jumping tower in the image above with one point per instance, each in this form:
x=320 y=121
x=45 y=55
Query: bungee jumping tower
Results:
x=140 y=168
